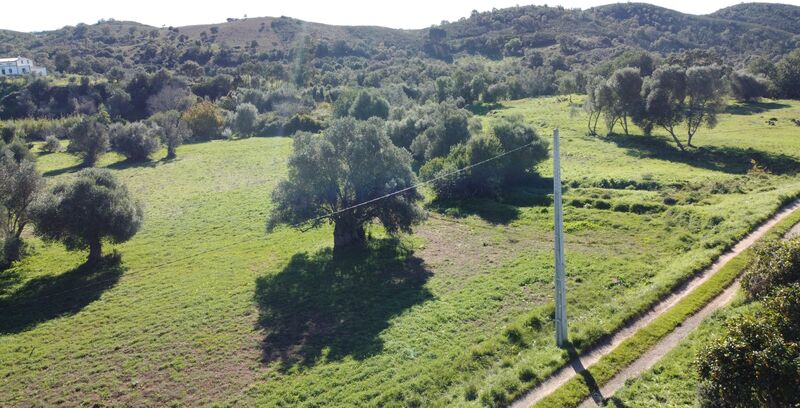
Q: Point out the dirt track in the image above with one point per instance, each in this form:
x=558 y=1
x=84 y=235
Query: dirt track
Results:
x=589 y=358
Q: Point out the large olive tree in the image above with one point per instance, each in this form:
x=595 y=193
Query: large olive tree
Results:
x=82 y=213
x=350 y=163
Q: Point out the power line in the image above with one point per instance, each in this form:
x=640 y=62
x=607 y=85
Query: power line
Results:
x=442 y=176
x=296 y=225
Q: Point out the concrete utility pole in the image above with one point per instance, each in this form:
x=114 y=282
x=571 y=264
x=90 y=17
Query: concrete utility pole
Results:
x=561 y=286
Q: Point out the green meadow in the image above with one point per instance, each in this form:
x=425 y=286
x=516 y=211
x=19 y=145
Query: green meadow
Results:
x=203 y=307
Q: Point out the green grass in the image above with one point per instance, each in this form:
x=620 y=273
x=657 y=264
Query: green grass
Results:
x=457 y=314
x=672 y=382
x=579 y=388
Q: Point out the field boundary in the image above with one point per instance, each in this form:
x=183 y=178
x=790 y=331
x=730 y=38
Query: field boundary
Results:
x=573 y=382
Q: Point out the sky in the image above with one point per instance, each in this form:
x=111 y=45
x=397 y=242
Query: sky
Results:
x=52 y=14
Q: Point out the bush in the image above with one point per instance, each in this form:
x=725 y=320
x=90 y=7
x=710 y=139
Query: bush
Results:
x=135 y=141
x=88 y=139
x=205 y=120
x=748 y=87
x=361 y=105
x=302 y=123
x=244 y=119
x=774 y=263
x=51 y=145
x=755 y=362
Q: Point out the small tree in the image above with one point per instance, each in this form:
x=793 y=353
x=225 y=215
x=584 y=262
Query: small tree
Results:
x=172 y=129
x=205 y=120
x=88 y=139
x=747 y=87
x=19 y=184
x=244 y=119
x=84 y=212
x=774 y=263
x=627 y=86
x=136 y=141
x=664 y=100
x=349 y=164
x=513 y=133
x=705 y=97
x=51 y=144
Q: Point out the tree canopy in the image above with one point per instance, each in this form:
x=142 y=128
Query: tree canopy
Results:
x=82 y=213
x=349 y=163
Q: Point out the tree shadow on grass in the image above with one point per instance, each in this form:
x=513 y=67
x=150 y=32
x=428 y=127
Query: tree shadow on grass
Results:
x=127 y=164
x=726 y=159
x=65 y=170
x=48 y=297
x=487 y=209
x=335 y=304
x=753 y=108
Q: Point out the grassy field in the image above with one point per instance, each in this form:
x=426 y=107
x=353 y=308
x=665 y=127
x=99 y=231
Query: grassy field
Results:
x=204 y=307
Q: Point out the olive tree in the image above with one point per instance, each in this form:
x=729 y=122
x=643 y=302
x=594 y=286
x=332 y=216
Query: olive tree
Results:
x=747 y=87
x=333 y=177
x=19 y=184
x=244 y=119
x=136 y=141
x=705 y=97
x=664 y=96
x=172 y=129
x=82 y=213
x=88 y=139
x=627 y=86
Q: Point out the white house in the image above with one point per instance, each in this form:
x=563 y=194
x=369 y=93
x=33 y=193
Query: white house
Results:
x=19 y=66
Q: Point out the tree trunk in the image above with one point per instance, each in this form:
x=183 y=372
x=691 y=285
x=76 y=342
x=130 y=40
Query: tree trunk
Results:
x=95 y=252
x=170 y=153
x=625 y=124
x=677 y=141
x=348 y=232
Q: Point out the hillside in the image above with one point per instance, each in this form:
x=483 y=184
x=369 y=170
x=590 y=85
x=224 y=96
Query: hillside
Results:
x=781 y=16
x=583 y=37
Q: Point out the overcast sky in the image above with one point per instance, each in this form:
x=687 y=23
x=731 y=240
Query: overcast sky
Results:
x=51 y=14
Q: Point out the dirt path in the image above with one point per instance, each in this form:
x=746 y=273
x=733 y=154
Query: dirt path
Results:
x=593 y=355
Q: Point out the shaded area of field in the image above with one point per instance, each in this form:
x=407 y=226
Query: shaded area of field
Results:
x=727 y=159
x=337 y=302
x=44 y=298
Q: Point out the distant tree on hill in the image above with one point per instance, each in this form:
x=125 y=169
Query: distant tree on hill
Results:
x=82 y=213
x=361 y=105
x=747 y=87
x=89 y=139
x=62 y=61
x=350 y=163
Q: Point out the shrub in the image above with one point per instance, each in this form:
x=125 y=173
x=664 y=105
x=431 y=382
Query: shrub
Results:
x=88 y=139
x=774 y=263
x=135 y=141
x=748 y=87
x=302 y=123
x=51 y=145
x=244 y=119
x=205 y=120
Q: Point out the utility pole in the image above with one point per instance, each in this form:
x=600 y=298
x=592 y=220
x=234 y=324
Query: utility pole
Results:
x=561 y=286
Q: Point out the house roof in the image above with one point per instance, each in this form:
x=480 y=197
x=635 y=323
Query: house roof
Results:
x=9 y=59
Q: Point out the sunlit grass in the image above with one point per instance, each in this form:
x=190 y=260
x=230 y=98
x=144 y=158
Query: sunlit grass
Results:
x=189 y=324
